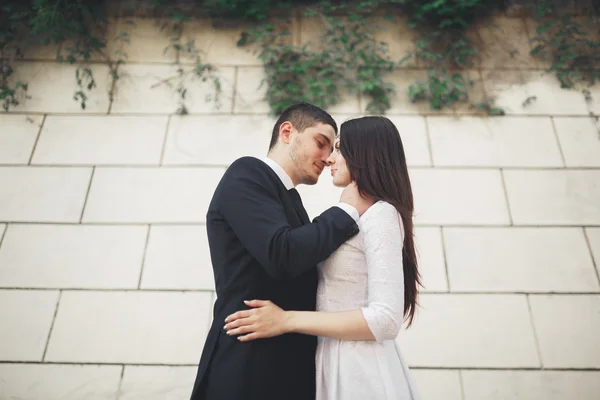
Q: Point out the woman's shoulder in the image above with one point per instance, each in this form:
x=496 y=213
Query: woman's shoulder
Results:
x=379 y=209
x=381 y=219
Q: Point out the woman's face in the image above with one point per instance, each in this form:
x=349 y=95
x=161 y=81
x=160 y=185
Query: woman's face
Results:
x=339 y=169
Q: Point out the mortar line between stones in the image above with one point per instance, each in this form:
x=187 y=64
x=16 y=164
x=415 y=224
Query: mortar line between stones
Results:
x=236 y=73
x=459 y=168
x=164 y=145
x=3 y=234
x=595 y=264
x=120 y=386
x=144 y=257
x=434 y=368
x=429 y=145
x=491 y=225
x=297 y=39
x=111 y=98
x=560 y=149
x=462 y=385
x=37 y=139
x=535 y=334
x=505 y=190
x=259 y=64
x=265 y=114
x=87 y=194
x=52 y=326
x=211 y=290
x=444 y=254
x=213 y=297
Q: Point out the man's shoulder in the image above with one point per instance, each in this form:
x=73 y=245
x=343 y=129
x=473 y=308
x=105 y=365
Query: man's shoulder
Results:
x=249 y=168
x=247 y=163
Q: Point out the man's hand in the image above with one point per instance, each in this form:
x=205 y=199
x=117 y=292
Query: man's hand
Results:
x=350 y=195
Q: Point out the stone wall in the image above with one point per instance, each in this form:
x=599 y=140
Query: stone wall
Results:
x=106 y=286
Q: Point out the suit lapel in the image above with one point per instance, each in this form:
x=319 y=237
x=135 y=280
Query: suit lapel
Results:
x=298 y=206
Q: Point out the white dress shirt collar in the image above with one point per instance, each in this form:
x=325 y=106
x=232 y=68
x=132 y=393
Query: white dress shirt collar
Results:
x=278 y=169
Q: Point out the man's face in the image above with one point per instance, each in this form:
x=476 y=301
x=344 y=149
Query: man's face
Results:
x=309 y=151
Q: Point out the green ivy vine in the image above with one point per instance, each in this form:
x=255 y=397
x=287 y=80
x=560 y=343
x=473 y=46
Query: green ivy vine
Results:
x=344 y=57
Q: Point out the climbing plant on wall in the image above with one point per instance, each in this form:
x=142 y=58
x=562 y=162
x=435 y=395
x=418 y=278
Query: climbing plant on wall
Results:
x=342 y=56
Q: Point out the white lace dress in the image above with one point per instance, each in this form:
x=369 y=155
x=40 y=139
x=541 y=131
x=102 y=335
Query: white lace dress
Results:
x=366 y=273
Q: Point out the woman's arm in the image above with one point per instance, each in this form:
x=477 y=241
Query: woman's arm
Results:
x=267 y=320
x=344 y=325
x=383 y=244
x=380 y=320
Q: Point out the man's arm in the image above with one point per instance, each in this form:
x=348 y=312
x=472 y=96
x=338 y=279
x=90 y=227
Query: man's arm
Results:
x=257 y=216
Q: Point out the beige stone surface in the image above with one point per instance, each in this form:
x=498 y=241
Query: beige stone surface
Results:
x=26 y=317
x=430 y=254
x=101 y=140
x=532 y=93
x=519 y=260
x=216 y=139
x=51 y=87
x=475 y=331
x=516 y=385
x=157 y=382
x=399 y=38
x=151 y=195
x=505 y=44
x=251 y=95
x=438 y=384
x=458 y=196
x=477 y=96
x=72 y=256
x=178 y=257
x=415 y=140
x=39 y=194
x=141 y=40
x=218 y=45
x=153 y=89
x=493 y=142
x=579 y=140
x=402 y=79
x=59 y=381
x=130 y=327
x=18 y=134
x=593 y=237
x=554 y=197
x=567 y=330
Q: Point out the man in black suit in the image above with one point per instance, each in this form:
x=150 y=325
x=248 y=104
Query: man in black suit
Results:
x=263 y=246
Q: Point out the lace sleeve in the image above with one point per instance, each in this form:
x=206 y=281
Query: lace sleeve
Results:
x=383 y=236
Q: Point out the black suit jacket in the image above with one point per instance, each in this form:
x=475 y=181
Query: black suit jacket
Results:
x=262 y=247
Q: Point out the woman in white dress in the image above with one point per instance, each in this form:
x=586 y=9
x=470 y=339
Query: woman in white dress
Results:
x=368 y=287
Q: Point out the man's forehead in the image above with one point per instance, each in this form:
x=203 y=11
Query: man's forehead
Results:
x=325 y=130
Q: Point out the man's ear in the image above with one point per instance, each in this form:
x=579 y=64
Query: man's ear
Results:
x=285 y=132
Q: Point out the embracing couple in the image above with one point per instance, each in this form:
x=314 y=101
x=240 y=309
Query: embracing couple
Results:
x=310 y=310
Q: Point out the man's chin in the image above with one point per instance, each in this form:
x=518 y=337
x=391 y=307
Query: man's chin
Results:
x=312 y=180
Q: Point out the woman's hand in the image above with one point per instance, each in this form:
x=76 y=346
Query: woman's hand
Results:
x=264 y=320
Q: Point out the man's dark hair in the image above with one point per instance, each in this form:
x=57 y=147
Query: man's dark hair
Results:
x=302 y=116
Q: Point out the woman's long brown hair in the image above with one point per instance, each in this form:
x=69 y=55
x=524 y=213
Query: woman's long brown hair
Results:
x=375 y=157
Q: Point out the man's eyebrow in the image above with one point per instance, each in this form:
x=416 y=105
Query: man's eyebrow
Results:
x=325 y=137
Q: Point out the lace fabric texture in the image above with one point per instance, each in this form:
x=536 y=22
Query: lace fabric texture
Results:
x=366 y=273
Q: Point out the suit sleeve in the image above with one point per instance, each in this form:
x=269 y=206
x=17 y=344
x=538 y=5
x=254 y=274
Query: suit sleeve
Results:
x=257 y=217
